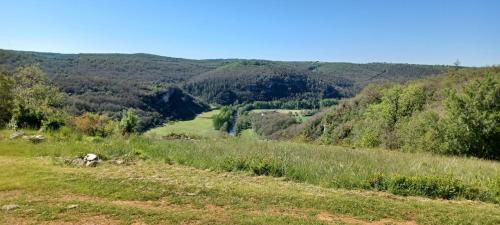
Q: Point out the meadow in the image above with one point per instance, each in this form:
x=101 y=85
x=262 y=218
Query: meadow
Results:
x=211 y=178
x=200 y=126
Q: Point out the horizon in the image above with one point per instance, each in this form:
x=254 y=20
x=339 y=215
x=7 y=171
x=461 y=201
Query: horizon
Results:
x=423 y=32
x=175 y=57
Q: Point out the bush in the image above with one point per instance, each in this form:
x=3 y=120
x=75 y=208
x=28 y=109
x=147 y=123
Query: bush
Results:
x=222 y=118
x=35 y=102
x=472 y=122
x=129 y=122
x=94 y=124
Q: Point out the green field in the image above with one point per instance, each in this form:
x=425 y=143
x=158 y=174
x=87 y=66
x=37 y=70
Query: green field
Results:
x=201 y=126
x=218 y=179
x=153 y=192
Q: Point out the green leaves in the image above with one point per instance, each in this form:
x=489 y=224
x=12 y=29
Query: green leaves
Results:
x=6 y=99
x=472 y=119
x=36 y=103
x=129 y=122
x=455 y=115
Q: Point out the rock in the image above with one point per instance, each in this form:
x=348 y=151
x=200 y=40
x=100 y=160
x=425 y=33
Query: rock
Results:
x=72 y=206
x=91 y=157
x=16 y=135
x=35 y=138
x=78 y=162
x=91 y=163
x=10 y=207
x=119 y=161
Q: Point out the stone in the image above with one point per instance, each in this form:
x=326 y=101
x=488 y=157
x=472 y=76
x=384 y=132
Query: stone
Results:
x=16 y=135
x=35 y=138
x=72 y=206
x=78 y=162
x=91 y=163
x=10 y=207
x=91 y=157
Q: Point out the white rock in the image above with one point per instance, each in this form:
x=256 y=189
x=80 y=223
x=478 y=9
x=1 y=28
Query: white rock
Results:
x=91 y=163
x=72 y=206
x=16 y=134
x=90 y=157
x=10 y=207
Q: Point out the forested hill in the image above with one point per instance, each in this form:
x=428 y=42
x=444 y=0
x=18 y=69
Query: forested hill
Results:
x=113 y=82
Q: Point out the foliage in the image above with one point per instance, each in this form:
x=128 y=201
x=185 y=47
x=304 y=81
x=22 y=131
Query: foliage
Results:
x=111 y=83
x=472 y=120
x=456 y=114
x=129 y=121
x=270 y=124
x=94 y=124
x=328 y=102
x=36 y=103
x=223 y=118
x=6 y=99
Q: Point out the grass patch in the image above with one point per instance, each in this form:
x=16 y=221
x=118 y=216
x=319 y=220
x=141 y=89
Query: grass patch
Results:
x=328 y=166
x=155 y=193
x=202 y=126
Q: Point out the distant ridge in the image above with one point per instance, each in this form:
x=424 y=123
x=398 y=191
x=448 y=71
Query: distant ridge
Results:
x=110 y=82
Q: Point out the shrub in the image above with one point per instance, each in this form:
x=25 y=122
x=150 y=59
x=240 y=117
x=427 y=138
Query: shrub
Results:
x=129 y=122
x=35 y=102
x=222 y=118
x=472 y=121
x=94 y=124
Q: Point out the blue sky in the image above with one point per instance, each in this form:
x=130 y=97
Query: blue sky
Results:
x=424 y=31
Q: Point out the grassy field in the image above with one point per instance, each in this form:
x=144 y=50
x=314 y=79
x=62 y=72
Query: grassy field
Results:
x=326 y=166
x=216 y=180
x=201 y=126
x=149 y=192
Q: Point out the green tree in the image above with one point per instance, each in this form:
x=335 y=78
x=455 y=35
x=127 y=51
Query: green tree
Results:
x=472 y=120
x=224 y=116
x=6 y=99
x=36 y=103
x=129 y=121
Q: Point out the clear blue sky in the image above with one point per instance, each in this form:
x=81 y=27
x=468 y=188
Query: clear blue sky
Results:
x=423 y=31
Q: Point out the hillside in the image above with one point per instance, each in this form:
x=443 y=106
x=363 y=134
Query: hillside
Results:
x=455 y=114
x=113 y=82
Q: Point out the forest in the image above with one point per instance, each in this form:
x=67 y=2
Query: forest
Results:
x=111 y=83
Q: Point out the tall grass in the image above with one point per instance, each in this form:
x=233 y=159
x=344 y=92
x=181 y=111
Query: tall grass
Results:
x=328 y=166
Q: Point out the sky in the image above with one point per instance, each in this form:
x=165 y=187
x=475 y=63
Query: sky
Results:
x=397 y=31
